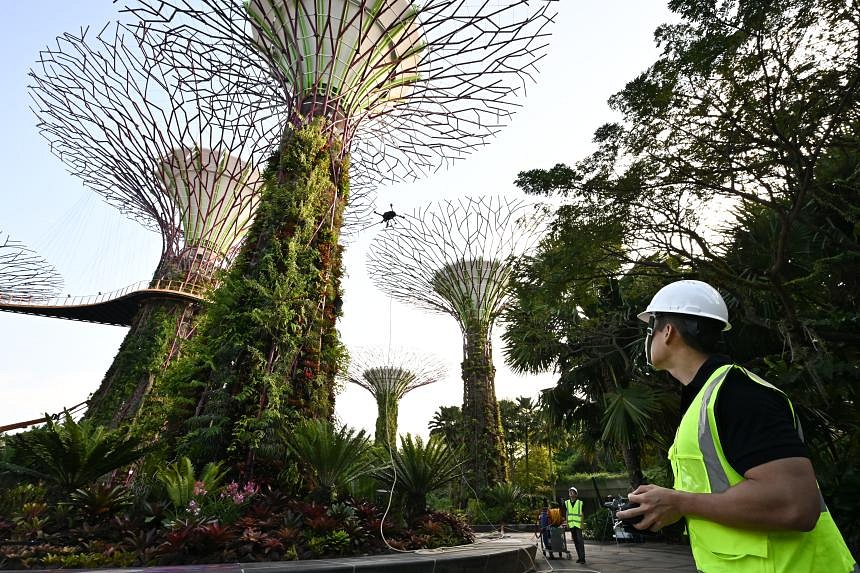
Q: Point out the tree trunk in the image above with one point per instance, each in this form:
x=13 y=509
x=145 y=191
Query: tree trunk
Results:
x=153 y=341
x=485 y=450
x=633 y=460
x=386 y=420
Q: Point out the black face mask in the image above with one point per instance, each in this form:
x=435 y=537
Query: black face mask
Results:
x=648 y=337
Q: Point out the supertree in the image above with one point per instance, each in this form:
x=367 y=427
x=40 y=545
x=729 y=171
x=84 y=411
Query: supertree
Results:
x=24 y=274
x=455 y=257
x=392 y=88
x=121 y=121
x=390 y=374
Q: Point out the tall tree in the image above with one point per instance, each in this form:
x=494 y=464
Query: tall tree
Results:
x=456 y=258
x=736 y=160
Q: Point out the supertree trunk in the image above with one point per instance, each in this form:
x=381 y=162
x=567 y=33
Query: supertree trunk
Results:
x=386 y=420
x=487 y=463
x=156 y=336
x=268 y=349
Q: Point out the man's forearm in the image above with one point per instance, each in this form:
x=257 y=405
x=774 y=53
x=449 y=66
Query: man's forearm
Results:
x=778 y=495
x=744 y=506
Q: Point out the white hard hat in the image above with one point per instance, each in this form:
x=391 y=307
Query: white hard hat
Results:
x=695 y=298
x=573 y=489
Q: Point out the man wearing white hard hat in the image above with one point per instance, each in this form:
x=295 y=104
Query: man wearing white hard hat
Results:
x=573 y=512
x=743 y=479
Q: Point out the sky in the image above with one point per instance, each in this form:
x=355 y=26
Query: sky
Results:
x=47 y=364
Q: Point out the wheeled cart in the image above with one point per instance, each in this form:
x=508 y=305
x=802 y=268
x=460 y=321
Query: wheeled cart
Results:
x=557 y=543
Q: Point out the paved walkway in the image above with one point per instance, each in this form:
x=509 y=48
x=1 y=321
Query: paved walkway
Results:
x=648 y=557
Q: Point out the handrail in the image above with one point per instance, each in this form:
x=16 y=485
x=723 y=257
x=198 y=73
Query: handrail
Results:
x=28 y=423
x=176 y=286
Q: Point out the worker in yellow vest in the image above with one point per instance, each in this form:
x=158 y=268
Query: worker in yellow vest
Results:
x=743 y=478
x=573 y=511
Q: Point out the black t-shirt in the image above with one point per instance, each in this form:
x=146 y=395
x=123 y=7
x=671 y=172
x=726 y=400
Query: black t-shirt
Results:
x=755 y=423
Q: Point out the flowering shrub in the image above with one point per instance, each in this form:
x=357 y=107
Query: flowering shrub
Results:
x=237 y=522
x=237 y=493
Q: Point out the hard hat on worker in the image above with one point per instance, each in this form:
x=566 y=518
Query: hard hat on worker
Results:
x=573 y=489
x=694 y=298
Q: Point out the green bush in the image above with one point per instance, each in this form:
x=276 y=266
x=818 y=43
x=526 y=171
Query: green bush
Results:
x=659 y=475
x=598 y=525
x=14 y=498
x=421 y=467
x=100 y=501
x=69 y=455
x=182 y=485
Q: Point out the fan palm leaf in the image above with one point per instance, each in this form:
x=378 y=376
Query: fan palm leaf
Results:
x=628 y=413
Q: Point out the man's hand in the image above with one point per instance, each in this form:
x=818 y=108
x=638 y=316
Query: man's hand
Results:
x=781 y=495
x=658 y=507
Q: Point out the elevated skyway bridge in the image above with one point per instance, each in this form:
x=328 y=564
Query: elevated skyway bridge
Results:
x=116 y=308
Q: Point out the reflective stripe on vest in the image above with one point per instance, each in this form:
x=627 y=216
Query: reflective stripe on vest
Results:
x=717 y=476
x=700 y=466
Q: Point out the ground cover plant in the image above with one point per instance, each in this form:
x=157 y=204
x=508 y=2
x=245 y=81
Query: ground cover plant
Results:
x=139 y=513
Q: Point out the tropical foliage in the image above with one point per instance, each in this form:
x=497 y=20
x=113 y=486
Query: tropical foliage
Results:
x=735 y=162
x=266 y=351
x=334 y=456
x=69 y=455
x=160 y=514
x=419 y=468
x=182 y=485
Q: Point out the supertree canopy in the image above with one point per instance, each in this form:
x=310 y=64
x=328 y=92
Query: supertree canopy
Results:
x=122 y=121
x=360 y=90
x=24 y=274
x=456 y=257
x=408 y=87
x=390 y=374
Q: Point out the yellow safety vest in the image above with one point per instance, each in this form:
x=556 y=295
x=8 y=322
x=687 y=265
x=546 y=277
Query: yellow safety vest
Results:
x=701 y=467
x=574 y=513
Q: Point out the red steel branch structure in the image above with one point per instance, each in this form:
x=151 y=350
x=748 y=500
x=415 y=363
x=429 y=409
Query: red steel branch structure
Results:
x=122 y=121
x=455 y=257
x=394 y=89
x=23 y=273
x=390 y=374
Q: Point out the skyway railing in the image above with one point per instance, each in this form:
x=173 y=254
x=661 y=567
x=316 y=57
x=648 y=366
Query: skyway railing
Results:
x=174 y=286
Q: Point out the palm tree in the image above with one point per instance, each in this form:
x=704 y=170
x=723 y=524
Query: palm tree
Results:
x=526 y=422
x=333 y=456
x=447 y=423
x=508 y=413
x=505 y=497
x=70 y=455
x=419 y=468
